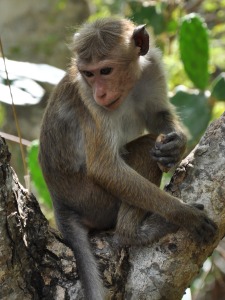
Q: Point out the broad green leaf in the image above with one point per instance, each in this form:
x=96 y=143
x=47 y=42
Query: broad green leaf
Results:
x=194 y=49
x=218 y=87
x=36 y=174
x=194 y=111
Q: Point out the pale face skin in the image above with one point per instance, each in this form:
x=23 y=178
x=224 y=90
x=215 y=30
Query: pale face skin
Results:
x=110 y=82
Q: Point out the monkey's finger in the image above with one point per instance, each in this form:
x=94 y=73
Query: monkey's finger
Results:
x=165 y=160
x=172 y=136
x=198 y=205
x=211 y=223
x=171 y=147
x=207 y=230
x=166 y=152
x=170 y=141
x=166 y=138
x=203 y=235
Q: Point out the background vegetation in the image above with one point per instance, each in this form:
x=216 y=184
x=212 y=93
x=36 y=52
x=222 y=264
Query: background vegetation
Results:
x=191 y=35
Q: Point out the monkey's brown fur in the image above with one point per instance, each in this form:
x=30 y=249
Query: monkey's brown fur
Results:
x=99 y=164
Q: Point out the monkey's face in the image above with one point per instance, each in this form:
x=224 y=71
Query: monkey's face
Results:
x=110 y=82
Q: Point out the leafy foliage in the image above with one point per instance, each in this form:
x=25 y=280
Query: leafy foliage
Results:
x=194 y=49
x=150 y=15
x=218 y=87
x=195 y=112
x=36 y=174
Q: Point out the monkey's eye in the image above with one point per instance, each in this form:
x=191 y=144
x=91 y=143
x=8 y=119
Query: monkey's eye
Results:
x=87 y=73
x=106 y=71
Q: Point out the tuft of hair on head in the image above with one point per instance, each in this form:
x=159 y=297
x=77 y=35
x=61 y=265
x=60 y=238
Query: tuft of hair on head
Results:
x=104 y=38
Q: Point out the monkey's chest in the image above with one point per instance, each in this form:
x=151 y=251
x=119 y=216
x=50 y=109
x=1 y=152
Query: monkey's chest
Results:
x=132 y=127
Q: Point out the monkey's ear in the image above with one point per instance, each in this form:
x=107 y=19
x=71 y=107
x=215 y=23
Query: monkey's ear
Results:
x=141 y=39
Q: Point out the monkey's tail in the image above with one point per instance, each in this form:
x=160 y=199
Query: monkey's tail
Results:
x=77 y=236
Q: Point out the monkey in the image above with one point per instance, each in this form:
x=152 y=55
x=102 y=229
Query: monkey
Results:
x=107 y=132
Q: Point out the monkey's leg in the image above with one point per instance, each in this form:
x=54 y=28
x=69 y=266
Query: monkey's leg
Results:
x=135 y=226
x=138 y=156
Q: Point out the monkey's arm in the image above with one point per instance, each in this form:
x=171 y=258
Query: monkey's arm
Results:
x=109 y=170
x=171 y=142
x=161 y=116
x=164 y=123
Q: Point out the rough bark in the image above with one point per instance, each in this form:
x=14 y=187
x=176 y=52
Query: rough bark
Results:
x=36 y=264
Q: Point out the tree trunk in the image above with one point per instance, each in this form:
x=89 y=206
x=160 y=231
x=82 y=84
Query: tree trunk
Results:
x=36 y=264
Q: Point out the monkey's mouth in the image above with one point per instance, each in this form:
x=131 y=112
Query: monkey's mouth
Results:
x=113 y=105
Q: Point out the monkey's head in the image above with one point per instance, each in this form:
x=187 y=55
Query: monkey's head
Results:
x=107 y=56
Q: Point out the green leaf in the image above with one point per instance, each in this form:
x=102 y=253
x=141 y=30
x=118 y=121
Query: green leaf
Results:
x=36 y=174
x=194 y=111
x=150 y=15
x=194 y=49
x=218 y=87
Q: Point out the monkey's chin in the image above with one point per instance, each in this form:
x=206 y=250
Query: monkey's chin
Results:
x=114 y=104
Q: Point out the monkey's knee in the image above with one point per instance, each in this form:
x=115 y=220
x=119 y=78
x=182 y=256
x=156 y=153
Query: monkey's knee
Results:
x=128 y=221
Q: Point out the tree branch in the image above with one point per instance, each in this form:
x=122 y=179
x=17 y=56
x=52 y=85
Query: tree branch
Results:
x=36 y=264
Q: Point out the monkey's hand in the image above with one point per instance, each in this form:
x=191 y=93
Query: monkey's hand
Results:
x=195 y=220
x=169 y=149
